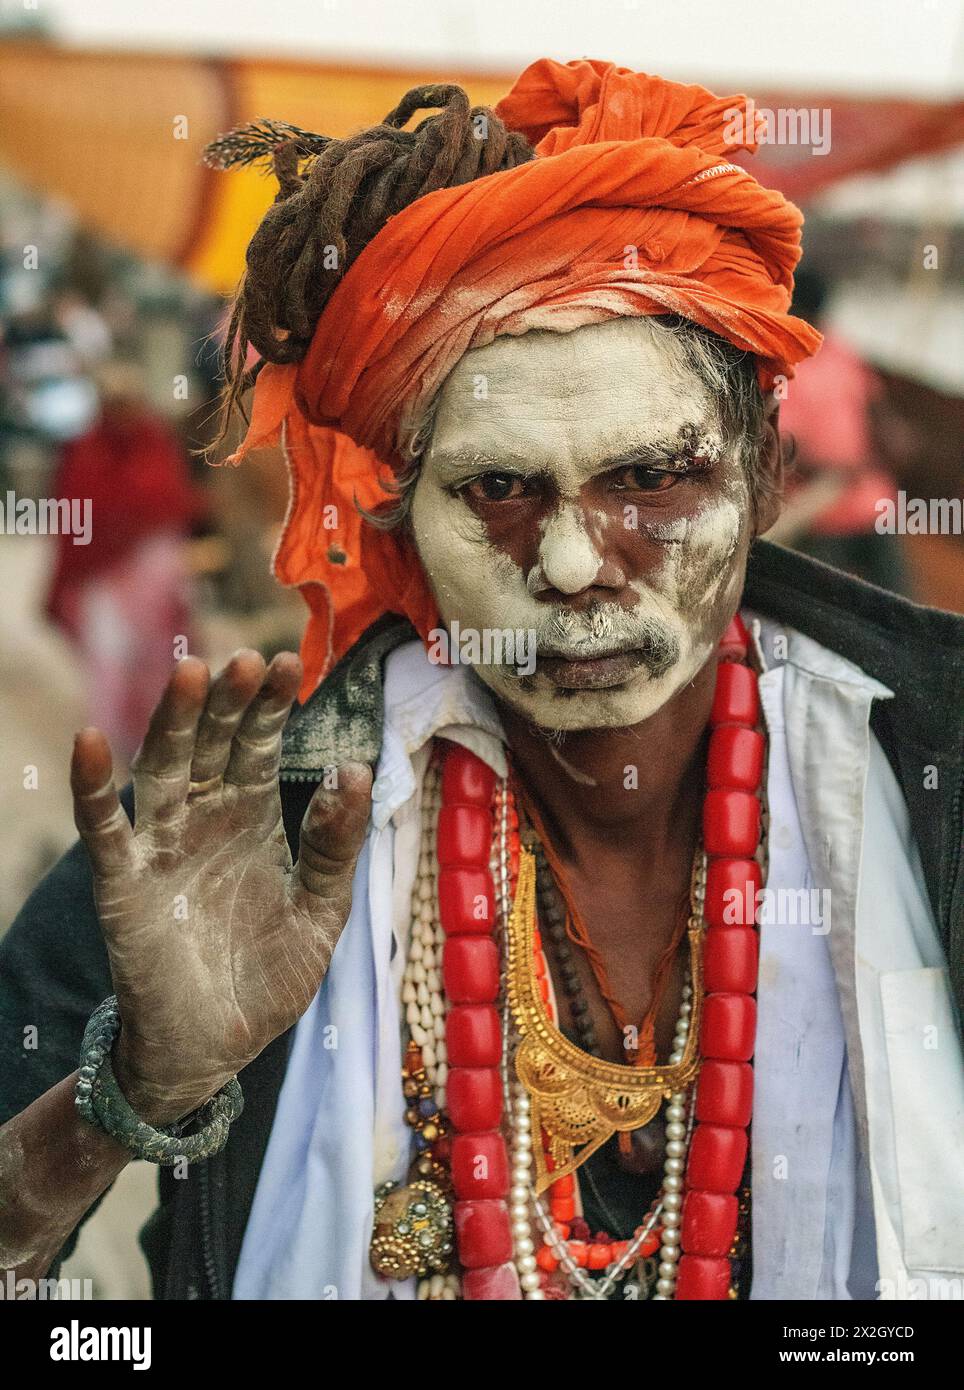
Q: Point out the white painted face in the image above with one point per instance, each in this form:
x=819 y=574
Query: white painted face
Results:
x=577 y=485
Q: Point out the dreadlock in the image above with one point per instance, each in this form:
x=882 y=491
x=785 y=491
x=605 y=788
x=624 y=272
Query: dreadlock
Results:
x=325 y=213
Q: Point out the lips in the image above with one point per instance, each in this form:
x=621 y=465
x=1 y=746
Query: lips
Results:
x=598 y=673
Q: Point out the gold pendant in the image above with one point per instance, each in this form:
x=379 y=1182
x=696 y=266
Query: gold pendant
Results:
x=413 y=1231
x=580 y=1100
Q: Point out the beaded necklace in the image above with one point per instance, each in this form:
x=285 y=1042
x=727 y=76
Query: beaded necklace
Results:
x=457 y=1072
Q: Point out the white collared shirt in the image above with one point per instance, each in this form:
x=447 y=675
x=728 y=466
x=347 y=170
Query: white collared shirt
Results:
x=856 y=1118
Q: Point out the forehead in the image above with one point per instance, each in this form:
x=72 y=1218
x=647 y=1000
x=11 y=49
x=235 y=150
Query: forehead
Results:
x=598 y=390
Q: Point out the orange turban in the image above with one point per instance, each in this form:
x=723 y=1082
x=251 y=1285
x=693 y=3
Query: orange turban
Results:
x=631 y=206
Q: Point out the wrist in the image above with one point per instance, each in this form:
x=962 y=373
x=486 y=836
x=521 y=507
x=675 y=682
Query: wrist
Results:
x=156 y=1132
x=156 y=1104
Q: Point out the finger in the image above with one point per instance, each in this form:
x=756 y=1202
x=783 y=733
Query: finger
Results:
x=256 y=747
x=332 y=834
x=161 y=769
x=98 y=815
x=230 y=696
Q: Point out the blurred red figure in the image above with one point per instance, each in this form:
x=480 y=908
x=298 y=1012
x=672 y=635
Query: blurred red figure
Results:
x=834 y=500
x=123 y=597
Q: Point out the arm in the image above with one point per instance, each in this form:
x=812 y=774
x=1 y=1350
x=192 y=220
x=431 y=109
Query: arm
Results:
x=53 y=1167
x=216 y=942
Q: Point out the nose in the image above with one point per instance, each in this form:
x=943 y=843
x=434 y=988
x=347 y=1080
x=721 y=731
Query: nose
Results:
x=569 y=563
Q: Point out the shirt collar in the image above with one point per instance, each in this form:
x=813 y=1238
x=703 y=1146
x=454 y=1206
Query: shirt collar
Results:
x=808 y=656
x=424 y=700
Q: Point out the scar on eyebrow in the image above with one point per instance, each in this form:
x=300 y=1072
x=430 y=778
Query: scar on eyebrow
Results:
x=695 y=439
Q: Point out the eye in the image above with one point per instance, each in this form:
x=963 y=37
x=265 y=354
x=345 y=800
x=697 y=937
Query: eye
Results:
x=641 y=479
x=495 y=487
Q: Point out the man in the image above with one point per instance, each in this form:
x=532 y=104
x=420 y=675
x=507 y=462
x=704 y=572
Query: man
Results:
x=567 y=359
x=118 y=598
x=833 y=417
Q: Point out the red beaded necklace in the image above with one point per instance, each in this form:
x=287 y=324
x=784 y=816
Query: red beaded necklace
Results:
x=480 y=1169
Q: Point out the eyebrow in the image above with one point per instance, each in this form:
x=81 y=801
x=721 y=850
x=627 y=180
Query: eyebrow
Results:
x=453 y=464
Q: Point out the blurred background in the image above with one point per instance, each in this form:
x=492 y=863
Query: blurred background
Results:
x=119 y=251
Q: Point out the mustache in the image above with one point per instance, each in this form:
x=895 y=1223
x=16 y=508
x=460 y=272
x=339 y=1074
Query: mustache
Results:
x=607 y=630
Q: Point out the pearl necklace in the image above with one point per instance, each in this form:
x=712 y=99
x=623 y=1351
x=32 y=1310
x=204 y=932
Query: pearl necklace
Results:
x=679 y=1127
x=424 y=1003
x=423 y=999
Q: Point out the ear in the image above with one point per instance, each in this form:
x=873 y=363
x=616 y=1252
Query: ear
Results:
x=770 y=471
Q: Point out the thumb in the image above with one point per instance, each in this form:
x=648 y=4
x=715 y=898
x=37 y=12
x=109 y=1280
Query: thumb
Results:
x=332 y=834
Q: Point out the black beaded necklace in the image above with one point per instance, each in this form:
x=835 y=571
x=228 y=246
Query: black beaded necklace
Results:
x=552 y=919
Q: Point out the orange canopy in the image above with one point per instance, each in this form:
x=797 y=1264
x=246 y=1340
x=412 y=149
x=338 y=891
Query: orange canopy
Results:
x=631 y=207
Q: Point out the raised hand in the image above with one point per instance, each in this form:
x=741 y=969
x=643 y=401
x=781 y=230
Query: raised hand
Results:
x=216 y=943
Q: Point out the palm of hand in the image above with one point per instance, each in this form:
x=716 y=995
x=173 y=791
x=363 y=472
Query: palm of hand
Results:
x=217 y=943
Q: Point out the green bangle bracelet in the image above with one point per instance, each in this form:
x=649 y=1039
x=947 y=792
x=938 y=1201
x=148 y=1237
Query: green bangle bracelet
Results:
x=101 y=1102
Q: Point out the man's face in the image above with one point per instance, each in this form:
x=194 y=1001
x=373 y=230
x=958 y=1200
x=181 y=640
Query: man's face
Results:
x=578 y=485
